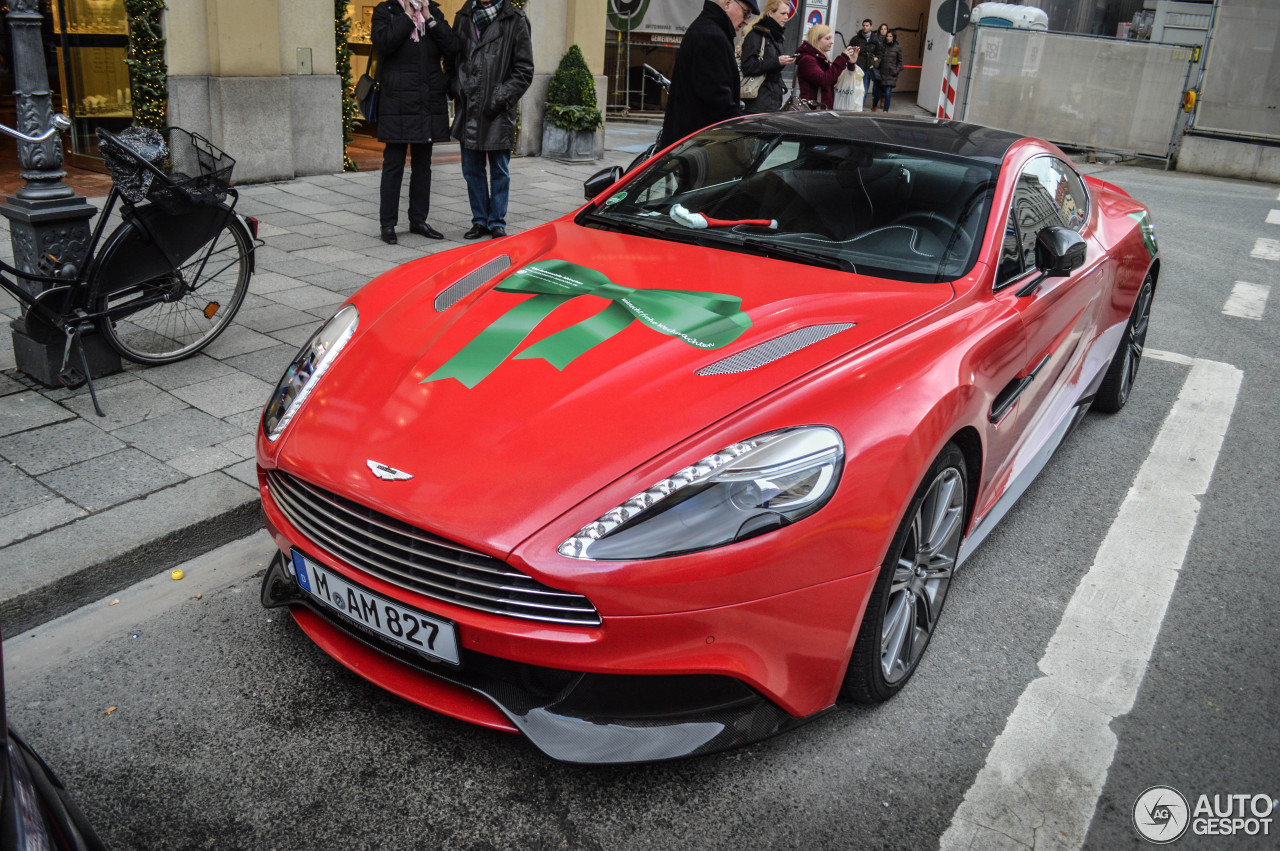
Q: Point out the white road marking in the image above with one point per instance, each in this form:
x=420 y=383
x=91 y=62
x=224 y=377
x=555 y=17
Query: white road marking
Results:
x=1041 y=782
x=1266 y=249
x=1273 y=218
x=1248 y=301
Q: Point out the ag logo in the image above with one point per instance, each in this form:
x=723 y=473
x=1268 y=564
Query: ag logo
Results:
x=626 y=15
x=1161 y=814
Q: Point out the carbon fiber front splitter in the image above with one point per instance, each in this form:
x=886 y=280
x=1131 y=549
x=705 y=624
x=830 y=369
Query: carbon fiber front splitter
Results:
x=580 y=717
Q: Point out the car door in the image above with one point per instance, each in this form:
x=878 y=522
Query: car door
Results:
x=1057 y=314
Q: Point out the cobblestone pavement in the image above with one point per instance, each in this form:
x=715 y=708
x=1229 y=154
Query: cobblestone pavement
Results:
x=89 y=505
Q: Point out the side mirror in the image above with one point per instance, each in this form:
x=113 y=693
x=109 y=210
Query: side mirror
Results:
x=1059 y=252
x=602 y=180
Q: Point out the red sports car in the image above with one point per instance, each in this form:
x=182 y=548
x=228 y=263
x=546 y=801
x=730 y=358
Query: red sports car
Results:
x=678 y=471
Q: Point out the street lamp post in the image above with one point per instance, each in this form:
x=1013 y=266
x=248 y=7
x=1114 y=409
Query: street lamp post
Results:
x=48 y=221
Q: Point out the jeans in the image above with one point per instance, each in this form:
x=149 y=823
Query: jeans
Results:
x=489 y=193
x=419 y=182
x=867 y=82
x=884 y=93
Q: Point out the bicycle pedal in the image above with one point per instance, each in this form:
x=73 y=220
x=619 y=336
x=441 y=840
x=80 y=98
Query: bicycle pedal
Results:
x=71 y=378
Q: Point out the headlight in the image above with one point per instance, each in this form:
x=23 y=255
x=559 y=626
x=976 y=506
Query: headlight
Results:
x=741 y=491
x=304 y=373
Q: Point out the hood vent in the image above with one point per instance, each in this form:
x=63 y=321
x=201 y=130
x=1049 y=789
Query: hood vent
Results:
x=471 y=282
x=772 y=350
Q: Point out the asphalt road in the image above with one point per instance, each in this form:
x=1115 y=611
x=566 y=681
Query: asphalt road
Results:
x=212 y=723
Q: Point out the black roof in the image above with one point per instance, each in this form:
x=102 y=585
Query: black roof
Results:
x=971 y=141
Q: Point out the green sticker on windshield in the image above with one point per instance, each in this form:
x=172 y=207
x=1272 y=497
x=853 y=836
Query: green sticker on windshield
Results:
x=699 y=319
x=615 y=199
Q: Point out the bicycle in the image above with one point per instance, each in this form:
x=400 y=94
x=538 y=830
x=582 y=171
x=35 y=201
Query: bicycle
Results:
x=656 y=76
x=168 y=279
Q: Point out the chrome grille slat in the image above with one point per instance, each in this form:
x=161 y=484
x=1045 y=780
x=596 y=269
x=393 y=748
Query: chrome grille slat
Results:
x=321 y=497
x=314 y=503
x=419 y=561
x=405 y=568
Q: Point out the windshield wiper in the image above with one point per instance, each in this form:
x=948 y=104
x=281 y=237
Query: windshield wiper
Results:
x=776 y=249
x=624 y=226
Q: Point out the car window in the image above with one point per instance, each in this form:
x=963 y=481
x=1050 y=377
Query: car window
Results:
x=1010 y=253
x=856 y=205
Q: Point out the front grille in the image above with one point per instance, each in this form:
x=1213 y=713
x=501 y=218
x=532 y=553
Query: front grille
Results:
x=419 y=561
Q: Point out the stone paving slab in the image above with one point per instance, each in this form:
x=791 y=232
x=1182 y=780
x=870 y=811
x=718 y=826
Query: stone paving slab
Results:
x=91 y=504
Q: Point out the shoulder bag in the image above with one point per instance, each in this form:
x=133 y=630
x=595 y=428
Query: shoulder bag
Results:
x=368 y=89
x=751 y=85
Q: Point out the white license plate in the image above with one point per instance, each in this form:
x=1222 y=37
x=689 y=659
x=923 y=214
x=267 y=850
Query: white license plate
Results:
x=407 y=627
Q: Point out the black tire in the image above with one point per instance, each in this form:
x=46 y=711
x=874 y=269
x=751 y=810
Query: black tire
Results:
x=1123 y=370
x=912 y=586
x=199 y=301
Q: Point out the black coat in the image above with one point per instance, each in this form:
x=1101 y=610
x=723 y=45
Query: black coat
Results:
x=769 y=32
x=869 y=49
x=704 y=83
x=412 y=105
x=891 y=64
x=490 y=74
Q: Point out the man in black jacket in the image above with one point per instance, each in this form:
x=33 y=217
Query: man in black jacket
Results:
x=411 y=38
x=491 y=72
x=705 y=83
x=869 y=50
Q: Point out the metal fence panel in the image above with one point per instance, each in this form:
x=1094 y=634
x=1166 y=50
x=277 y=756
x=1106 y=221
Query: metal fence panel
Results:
x=1241 y=89
x=1082 y=92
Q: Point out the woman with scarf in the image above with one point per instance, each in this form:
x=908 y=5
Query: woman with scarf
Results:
x=818 y=74
x=412 y=39
x=890 y=68
x=762 y=54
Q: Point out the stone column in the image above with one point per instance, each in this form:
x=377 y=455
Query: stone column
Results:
x=48 y=221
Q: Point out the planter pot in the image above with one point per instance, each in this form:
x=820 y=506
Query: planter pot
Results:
x=572 y=145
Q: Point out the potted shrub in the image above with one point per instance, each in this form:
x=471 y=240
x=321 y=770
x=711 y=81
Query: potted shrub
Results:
x=569 y=129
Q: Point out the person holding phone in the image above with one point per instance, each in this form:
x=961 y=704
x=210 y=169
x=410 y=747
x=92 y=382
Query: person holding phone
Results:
x=762 y=54
x=818 y=74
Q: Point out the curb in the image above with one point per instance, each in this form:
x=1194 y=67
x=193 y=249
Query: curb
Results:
x=58 y=571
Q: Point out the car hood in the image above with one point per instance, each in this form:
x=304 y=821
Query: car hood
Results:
x=575 y=364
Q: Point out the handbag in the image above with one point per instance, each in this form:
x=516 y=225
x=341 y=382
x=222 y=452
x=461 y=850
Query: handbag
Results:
x=795 y=103
x=368 y=90
x=751 y=85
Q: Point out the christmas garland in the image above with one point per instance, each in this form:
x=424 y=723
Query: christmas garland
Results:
x=350 y=110
x=148 y=74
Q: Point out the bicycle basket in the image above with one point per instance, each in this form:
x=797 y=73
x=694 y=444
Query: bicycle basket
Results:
x=189 y=169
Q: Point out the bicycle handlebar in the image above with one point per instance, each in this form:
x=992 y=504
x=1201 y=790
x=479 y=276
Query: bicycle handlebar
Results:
x=656 y=75
x=60 y=124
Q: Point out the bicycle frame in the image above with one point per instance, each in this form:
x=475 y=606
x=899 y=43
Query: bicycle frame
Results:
x=86 y=286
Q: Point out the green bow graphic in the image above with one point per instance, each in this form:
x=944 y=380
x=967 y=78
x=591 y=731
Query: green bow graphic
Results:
x=703 y=320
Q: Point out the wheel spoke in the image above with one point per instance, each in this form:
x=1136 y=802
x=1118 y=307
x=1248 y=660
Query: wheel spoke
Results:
x=897 y=625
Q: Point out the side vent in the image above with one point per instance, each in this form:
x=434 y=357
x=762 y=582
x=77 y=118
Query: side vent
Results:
x=470 y=282
x=772 y=350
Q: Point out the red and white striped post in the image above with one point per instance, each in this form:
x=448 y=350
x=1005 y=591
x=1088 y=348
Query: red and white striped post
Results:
x=950 y=80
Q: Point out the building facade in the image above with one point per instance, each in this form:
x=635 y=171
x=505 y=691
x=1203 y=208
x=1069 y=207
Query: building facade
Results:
x=259 y=77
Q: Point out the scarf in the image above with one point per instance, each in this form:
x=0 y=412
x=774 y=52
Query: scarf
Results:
x=482 y=16
x=415 y=15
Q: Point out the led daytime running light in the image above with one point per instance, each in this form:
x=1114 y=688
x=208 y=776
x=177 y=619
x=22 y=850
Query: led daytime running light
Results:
x=576 y=546
x=322 y=366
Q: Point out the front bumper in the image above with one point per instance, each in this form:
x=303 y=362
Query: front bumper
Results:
x=573 y=716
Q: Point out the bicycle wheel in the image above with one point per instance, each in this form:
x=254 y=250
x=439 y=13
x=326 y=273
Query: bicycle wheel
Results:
x=176 y=314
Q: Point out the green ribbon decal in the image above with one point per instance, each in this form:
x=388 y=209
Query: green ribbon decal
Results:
x=702 y=320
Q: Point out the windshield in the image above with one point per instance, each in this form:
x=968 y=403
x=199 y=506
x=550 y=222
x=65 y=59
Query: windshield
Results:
x=875 y=209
